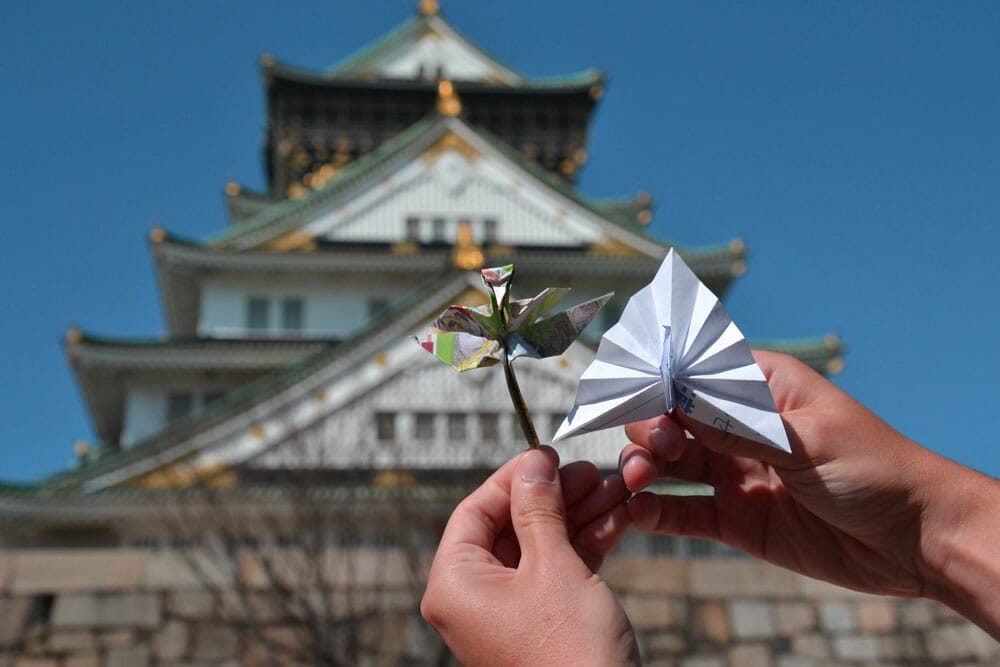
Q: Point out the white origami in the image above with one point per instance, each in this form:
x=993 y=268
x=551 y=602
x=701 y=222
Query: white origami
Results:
x=676 y=346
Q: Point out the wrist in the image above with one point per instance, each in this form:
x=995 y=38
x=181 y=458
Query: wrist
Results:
x=959 y=544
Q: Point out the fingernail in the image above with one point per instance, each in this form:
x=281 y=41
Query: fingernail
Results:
x=538 y=469
x=659 y=441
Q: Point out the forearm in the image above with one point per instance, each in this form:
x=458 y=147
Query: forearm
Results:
x=961 y=542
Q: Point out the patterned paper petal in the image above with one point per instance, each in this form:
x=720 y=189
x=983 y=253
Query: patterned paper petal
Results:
x=462 y=351
x=552 y=335
x=527 y=311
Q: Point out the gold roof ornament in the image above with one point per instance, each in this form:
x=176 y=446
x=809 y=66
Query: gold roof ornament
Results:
x=468 y=255
x=429 y=7
x=448 y=103
x=156 y=234
x=232 y=189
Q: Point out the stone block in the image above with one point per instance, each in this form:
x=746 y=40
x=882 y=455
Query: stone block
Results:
x=190 y=604
x=950 y=643
x=296 y=568
x=72 y=641
x=752 y=619
x=652 y=612
x=702 y=661
x=214 y=642
x=738 y=578
x=14 y=614
x=58 y=571
x=907 y=647
x=816 y=590
x=199 y=569
x=856 y=648
x=127 y=656
x=813 y=646
x=6 y=571
x=710 y=621
x=750 y=655
x=32 y=661
x=663 y=576
x=667 y=642
x=90 y=659
x=916 y=614
x=272 y=646
x=110 y=638
x=876 y=615
x=170 y=643
x=836 y=617
x=794 y=618
x=82 y=610
x=798 y=661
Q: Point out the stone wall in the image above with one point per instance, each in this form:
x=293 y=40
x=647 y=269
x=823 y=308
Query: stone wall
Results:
x=134 y=607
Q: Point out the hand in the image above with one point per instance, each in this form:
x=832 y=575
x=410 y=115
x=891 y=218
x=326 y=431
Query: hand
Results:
x=854 y=503
x=514 y=579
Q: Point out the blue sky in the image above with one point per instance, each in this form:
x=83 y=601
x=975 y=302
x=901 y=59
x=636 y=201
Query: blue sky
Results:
x=853 y=146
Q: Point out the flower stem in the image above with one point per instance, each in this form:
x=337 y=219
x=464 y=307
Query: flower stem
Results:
x=519 y=407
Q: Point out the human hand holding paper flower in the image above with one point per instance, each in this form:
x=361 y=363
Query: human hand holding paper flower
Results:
x=467 y=337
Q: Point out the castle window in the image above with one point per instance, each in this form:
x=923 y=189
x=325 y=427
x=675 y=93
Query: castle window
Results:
x=179 y=405
x=489 y=426
x=456 y=426
x=490 y=230
x=291 y=314
x=413 y=229
x=425 y=426
x=377 y=307
x=257 y=315
x=437 y=227
x=385 y=425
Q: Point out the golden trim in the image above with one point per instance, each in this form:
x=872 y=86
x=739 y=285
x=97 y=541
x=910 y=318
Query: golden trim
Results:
x=738 y=268
x=380 y=359
x=448 y=103
x=232 y=188
x=156 y=234
x=74 y=335
x=429 y=7
x=405 y=248
x=266 y=60
x=297 y=240
x=468 y=255
x=449 y=141
x=609 y=247
x=835 y=366
x=644 y=217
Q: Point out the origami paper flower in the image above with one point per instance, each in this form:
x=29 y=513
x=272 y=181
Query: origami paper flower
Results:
x=467 y=337
x=675 y=346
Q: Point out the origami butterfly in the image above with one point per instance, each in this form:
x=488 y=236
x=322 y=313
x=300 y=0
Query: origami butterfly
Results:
x=467 y=337
x=675 y=346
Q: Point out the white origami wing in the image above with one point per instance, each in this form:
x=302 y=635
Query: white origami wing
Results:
x=676 y=346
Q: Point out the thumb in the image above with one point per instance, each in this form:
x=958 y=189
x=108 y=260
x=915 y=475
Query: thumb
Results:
x=537 y=509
